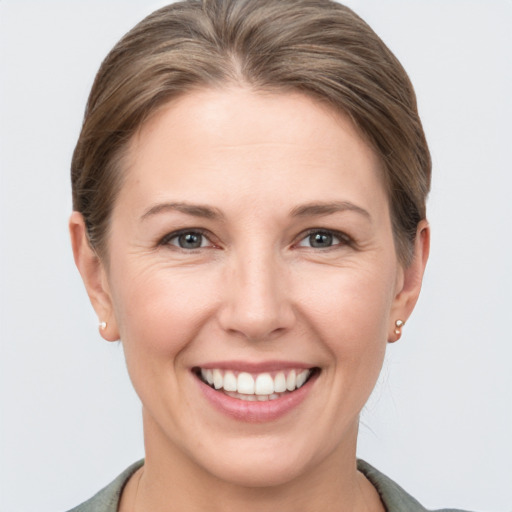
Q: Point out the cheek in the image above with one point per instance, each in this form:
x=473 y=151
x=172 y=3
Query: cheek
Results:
x=160 y=312
x=350 y=315
x=350 y=306
x=159 y=318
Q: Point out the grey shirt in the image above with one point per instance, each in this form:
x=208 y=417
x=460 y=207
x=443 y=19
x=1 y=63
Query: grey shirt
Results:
x=394 y=498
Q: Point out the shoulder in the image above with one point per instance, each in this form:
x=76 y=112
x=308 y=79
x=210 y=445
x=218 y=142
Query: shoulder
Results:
x=394 y=498
x=107 y=500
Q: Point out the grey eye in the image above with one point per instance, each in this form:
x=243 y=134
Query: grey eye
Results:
x=324 y=239
x=188 y=240
x=321 y=239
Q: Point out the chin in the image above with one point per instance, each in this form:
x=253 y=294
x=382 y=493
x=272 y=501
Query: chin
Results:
x=257 y=473
x=260 y=462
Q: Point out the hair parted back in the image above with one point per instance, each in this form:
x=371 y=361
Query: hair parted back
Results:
x=318 y=47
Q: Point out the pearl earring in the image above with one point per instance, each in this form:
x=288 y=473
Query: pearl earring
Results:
x=398 y=328
x=103 y=325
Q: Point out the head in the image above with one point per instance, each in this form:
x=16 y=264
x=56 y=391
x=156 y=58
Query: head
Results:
x=317 y=47
x=249 y=187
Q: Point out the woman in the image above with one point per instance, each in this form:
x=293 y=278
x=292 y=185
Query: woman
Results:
x=249 y=190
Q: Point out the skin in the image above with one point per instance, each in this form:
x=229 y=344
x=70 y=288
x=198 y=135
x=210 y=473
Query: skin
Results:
x=255 y=291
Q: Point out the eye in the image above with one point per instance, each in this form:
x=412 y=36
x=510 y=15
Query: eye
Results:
x=187 y=240
x=323 y=239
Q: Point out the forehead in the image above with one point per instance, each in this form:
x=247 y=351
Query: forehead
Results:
x=250 y=142
x=240 y=115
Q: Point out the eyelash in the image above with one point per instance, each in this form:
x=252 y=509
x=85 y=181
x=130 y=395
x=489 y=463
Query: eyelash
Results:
x=343 y=238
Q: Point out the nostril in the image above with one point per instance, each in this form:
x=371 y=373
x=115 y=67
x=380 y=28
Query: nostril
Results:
x=257 y=325
x=257 y=306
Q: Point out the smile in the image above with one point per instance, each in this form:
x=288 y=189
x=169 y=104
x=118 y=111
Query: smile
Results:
x=255 y=386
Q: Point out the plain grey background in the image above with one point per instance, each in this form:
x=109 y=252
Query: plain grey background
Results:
x=440 y=420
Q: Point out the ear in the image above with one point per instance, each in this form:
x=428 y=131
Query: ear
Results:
x=94 y=276
x=409 y=286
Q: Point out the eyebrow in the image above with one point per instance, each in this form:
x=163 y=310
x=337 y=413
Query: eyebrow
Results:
x=208 y=212
x=318 y=209
x=195 y=210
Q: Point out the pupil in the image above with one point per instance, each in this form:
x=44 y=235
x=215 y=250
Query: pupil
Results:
x=321 y=240
x=190 y=240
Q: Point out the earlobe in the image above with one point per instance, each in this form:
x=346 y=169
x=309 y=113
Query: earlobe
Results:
x=410 y=287
x=94 y=277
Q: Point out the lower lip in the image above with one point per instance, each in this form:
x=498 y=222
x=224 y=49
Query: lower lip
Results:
x=256 y=412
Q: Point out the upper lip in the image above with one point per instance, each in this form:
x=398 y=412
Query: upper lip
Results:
x=255 y=367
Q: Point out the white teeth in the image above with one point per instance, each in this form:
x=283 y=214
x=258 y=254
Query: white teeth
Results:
x=218 y=381
x=301 y=378
x=264 y=384
x=280 y=383
x=245 y=383
x=230 y=382
x=291 y=381
x=260 y=387
x=207 y=376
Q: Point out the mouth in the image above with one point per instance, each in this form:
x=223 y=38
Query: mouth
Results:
x=256 y=387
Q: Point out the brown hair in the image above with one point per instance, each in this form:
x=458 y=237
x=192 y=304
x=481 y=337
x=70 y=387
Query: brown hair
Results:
x=318 y=47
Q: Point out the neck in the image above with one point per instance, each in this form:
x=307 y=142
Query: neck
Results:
x=170 y=481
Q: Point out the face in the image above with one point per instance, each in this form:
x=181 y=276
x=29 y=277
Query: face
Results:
x=253 y=282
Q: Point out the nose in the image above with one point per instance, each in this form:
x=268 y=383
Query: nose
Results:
x=257 y=305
